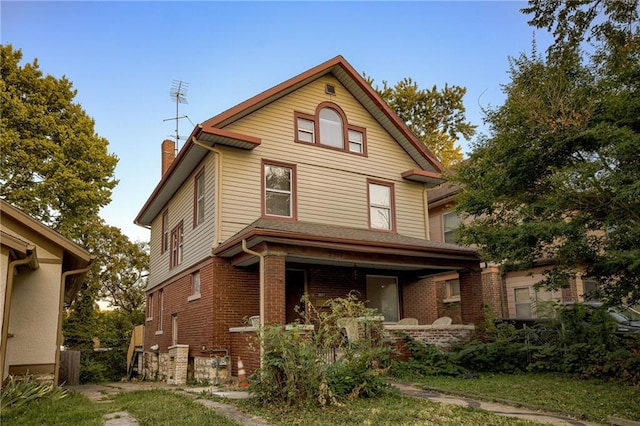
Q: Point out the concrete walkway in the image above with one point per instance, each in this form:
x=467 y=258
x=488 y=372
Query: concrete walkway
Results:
x=497 y=408
x=102 y=393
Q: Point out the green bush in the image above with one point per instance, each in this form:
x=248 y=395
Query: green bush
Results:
x=426 y=360
x=20 y=391
x=358 y=374
x=292 y=370
x=91 y=371
x=578 y=340
x=298 y=366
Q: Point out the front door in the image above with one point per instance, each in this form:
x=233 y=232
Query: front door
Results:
x=294 y=287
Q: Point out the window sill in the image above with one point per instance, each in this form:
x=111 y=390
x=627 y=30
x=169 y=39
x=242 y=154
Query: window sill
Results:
x=193 y=297
x=149 y=319
x=159 y=333
x=453 y=299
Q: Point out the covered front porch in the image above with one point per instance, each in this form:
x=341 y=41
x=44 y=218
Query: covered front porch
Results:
x=393 y=273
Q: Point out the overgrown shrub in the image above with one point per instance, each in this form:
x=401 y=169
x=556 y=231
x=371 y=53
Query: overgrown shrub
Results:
x=426 y=360
x=91 y=371
x=358 y=374
x=20 y=391
x=577 y=340
x=298 y=366
x=291 y=372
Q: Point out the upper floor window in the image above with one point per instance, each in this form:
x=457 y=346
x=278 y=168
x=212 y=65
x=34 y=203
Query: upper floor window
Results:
x=306 y=130
x=177 y=236
x=356 y=141
x=329 y=128
x=381 y=206
x=164 y=246
x=279 y=190
x=198 y=199
x=195 y=283
x=451 y=223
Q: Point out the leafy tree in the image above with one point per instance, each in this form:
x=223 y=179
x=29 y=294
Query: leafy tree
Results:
x=436 y=117
x=58 y=170
x=559 y=176
x=53 y=164
x=120 y=268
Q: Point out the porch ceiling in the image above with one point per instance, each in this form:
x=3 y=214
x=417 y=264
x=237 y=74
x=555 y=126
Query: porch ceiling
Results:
x=309 y=243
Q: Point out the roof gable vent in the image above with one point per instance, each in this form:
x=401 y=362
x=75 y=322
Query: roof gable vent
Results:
x=330 y=89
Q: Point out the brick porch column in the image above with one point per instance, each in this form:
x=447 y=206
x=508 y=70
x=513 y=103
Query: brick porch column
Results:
x=471 y=299
x=419 y=300
x=274 y=289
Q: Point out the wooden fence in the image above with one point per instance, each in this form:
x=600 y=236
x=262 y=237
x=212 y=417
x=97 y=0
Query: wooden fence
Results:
x=69 y=368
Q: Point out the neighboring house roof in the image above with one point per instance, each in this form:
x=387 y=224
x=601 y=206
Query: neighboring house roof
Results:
x=340 y=237
x=75 y=257
x=443 y=194
x=211 y=132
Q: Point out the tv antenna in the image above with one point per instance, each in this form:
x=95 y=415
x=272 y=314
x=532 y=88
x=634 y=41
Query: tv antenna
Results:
x=178 y=94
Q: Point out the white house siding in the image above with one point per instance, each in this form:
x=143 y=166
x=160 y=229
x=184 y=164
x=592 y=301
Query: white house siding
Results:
x=34 y=336
x=197 y=241
x=331 y=185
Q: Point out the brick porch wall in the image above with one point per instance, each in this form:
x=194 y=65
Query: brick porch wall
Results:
x=444 y=336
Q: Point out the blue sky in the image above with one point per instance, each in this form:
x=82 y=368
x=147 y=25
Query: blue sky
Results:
x=123 y=56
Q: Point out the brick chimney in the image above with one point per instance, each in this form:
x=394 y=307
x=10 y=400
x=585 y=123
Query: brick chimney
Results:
x=168 y=154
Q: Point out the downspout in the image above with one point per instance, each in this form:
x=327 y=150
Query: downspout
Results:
x=218 y=218
x=262 y=309
x=425 y=205
x=63 y=280
x=7 y=302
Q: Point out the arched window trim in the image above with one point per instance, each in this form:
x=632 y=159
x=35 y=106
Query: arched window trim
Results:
x=346 y=127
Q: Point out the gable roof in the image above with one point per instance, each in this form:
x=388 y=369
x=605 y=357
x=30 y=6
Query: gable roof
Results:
x=210 y=132
x=75 y=257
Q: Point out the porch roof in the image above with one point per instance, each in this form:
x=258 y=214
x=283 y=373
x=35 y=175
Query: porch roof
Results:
x=338 y=245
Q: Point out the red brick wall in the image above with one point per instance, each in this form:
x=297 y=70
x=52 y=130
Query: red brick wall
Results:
x=493 y=293
x=245 y=346
x=274 y=289
x=419 y=300
x=324 y=283
x=229 y=295
x=471 y=297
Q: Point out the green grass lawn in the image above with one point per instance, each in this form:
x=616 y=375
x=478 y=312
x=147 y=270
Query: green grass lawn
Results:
x=591 y=399
x=154 y=407
x=388 y=410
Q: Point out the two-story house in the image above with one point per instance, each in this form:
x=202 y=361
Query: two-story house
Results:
x=313 y=187
x=510 y=294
